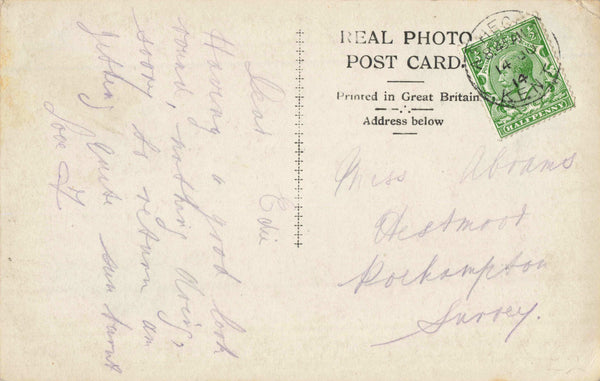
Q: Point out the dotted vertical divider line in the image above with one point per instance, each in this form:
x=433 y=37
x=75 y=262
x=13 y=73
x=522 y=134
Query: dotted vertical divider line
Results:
x=299 y=105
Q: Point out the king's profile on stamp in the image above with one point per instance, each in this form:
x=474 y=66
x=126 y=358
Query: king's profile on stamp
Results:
x=518 y=77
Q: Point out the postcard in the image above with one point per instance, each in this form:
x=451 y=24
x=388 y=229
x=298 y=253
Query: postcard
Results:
x=280 y=190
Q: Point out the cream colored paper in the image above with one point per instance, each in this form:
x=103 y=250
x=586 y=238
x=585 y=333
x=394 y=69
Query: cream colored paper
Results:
x=186 y=196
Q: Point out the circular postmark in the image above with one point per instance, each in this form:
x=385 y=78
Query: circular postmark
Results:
x=509 y=60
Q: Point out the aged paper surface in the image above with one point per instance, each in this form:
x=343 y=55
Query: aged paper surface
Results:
x=272 y=190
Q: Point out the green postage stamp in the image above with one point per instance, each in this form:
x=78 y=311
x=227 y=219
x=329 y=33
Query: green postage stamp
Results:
x=518 y=77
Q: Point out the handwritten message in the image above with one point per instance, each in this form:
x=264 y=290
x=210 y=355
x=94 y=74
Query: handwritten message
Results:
x=147 y=142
